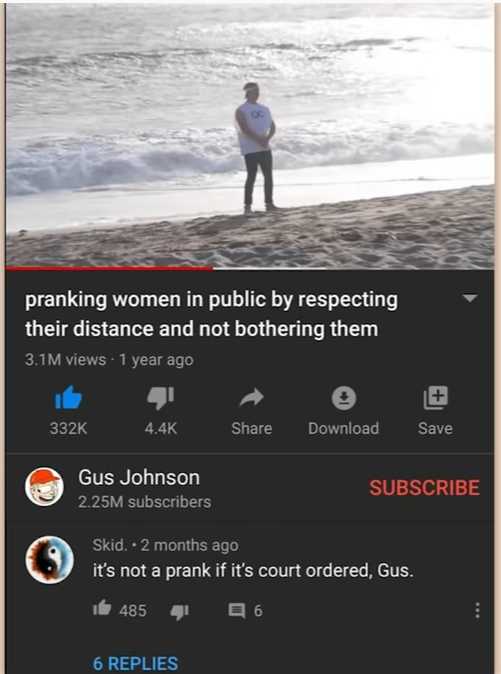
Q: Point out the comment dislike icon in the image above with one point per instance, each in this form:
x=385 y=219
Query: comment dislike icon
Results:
x=180 y=611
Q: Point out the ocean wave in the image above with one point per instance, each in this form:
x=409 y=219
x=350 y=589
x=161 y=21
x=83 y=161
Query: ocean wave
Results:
x=72 y=163
x=28 y=66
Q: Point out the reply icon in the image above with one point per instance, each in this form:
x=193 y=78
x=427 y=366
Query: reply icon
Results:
x=237 y=610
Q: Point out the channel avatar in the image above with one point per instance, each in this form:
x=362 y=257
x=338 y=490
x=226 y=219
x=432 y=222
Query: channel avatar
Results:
x=49 y=560
x=44 y=486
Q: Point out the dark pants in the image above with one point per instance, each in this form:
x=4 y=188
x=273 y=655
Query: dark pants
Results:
x=265 y=161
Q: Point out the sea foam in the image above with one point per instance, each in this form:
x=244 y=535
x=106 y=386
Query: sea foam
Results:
x=96 y=162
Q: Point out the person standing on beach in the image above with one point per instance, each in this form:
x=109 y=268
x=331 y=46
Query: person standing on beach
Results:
x=255 y=130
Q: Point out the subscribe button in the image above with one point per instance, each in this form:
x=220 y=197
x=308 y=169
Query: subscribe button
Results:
x=424 y=487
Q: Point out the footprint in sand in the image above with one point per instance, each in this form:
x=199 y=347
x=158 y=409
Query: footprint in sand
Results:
x=369 y=257
x=412 y=249
x=351 y=236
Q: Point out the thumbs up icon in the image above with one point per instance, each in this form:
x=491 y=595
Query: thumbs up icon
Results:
x=68 y=400
x=102 y=609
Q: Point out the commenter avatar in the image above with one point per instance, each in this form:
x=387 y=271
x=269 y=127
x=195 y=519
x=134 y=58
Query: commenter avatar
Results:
x=49 y=560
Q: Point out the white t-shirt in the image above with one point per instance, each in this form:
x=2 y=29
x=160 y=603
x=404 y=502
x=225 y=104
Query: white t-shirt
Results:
x=258 y=118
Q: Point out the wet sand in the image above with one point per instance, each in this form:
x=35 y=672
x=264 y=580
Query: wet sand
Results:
x=450 y=229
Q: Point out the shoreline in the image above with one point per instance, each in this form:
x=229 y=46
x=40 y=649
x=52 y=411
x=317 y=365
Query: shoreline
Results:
x=448 y=229
x=222 y=194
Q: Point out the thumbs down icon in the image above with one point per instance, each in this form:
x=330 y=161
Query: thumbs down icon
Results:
x=160 y=396
x=180 y=611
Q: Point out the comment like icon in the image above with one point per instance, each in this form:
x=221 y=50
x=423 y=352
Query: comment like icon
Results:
x=102 y=609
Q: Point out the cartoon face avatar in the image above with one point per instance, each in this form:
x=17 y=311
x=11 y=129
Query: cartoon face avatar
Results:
x=49 y=560
x=44 y=486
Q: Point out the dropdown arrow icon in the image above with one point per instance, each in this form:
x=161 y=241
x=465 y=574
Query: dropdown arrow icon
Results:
x=470 y=298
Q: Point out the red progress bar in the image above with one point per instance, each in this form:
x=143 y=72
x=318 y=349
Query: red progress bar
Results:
x=131 y=268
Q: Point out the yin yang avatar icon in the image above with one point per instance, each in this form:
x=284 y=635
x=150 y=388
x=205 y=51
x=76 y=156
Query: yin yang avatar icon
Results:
x=49 y=560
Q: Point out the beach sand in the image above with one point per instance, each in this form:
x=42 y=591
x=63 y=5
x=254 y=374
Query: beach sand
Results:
x=451 y=229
